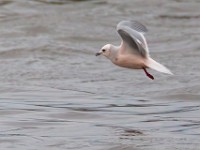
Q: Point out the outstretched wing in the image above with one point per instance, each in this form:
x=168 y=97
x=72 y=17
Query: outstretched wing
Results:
x=132 y=34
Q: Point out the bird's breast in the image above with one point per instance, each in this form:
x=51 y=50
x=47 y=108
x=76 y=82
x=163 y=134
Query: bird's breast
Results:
x=129 y=61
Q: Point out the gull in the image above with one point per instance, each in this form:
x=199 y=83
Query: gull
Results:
x=133 y=52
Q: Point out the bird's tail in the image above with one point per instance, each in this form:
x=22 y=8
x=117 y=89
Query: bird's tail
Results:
x=157 y=66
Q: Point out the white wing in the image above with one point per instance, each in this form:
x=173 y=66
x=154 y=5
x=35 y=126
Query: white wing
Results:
x=132 y=34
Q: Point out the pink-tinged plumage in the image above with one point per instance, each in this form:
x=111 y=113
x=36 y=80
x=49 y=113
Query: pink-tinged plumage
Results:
x=133 y=52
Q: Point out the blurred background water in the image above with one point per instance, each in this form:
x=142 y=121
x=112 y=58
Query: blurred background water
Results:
x=55 y=94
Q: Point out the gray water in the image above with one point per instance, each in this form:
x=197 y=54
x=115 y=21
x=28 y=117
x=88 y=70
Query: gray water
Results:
x=56 y=95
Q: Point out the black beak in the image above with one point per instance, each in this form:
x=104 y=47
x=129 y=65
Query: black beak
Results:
x=97 y=54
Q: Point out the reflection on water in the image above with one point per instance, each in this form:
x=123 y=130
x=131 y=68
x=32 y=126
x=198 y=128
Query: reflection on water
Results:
x=55 y=94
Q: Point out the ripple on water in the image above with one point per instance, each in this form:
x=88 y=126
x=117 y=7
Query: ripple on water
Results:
x=59 y=2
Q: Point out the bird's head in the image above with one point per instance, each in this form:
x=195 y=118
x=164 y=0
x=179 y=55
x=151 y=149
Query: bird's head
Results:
x=105 y=50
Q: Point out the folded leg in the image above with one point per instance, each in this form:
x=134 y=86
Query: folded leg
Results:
x=148 y=74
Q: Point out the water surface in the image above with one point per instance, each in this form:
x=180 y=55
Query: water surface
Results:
x=55 y=94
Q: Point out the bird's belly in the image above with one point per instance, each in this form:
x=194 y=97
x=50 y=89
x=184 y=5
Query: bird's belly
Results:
x=130 y=62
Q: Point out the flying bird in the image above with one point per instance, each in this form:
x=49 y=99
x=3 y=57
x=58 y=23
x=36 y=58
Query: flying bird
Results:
x=133 y=52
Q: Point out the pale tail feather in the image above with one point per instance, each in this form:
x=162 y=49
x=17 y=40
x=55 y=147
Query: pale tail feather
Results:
x=158 y=67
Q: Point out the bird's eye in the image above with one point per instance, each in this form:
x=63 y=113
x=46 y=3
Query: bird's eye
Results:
x=103 y=50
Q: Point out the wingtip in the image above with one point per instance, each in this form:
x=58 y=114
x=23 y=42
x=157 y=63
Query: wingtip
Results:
x=133 y=25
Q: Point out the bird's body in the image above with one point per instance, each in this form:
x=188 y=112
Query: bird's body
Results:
x=133 y=52
x=130 y=61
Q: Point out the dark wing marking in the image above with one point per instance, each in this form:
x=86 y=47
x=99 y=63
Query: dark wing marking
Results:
x=129 y=40
x=134 y=25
